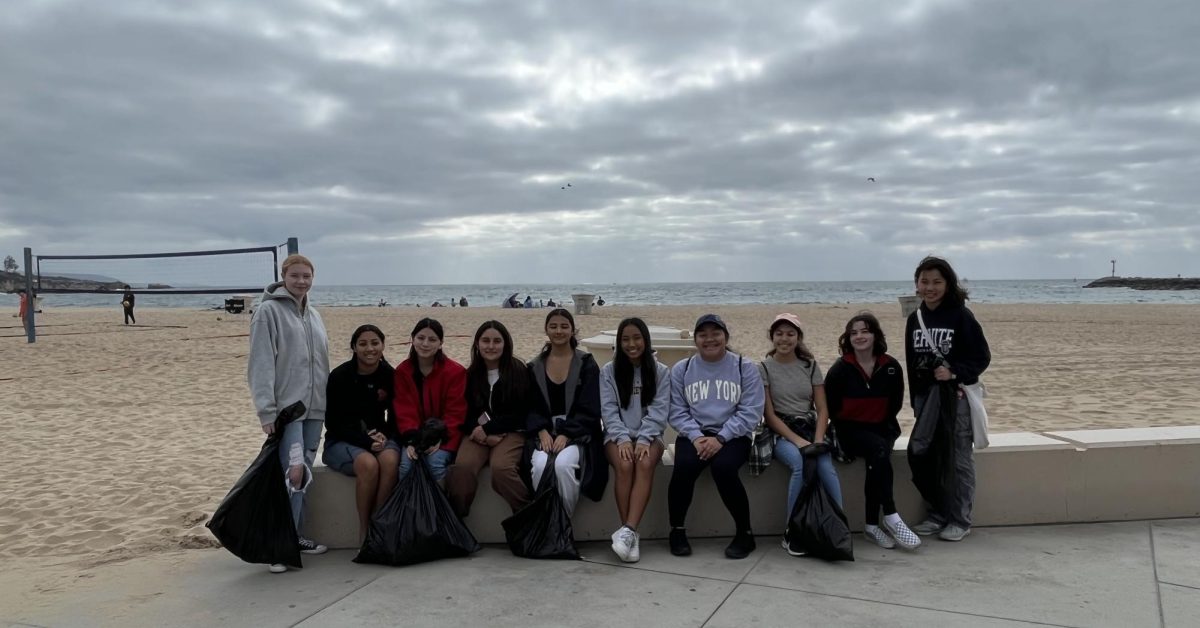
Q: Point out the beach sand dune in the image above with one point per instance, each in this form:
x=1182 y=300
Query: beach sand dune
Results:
x=122 y=439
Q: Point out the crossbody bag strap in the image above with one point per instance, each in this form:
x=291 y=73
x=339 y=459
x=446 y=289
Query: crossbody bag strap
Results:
x=928 y=336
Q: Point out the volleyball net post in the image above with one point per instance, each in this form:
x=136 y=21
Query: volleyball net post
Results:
x=30 y=301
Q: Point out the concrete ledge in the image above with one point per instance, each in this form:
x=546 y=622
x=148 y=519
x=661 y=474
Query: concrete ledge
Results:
x=1023 y=478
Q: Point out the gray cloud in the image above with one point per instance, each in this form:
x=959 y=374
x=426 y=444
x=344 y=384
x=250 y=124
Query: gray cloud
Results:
x=414 y=142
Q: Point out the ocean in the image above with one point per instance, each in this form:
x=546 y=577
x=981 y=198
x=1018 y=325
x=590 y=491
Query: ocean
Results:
x=982 y=291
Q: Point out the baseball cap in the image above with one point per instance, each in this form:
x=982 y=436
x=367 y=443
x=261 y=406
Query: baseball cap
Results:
x=790 y=318
x=712 y=319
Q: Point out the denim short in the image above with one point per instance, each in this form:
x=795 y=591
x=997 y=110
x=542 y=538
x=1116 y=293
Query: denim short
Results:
x=340 y=455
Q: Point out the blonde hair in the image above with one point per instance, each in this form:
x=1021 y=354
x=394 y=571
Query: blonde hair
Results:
x=294 y=259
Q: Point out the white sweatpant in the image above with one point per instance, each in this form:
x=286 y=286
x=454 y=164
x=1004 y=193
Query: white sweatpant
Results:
x=566 y=469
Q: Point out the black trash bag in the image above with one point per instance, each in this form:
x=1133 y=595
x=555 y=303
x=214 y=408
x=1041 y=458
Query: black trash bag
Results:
x=432 y=432
x=543 y=528
x=254 y=521
x=923 y=433
x=818 y=526
x=416 y=524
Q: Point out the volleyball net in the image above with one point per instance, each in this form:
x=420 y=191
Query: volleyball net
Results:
x=219 y=271
x=224 y=271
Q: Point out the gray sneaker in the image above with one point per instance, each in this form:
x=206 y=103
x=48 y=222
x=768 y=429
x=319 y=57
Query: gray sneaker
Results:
x=901 y=534
x=879 y=537
x=954 y=533
x=928 y=527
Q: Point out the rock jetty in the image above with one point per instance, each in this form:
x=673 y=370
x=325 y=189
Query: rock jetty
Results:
x=1147 y=283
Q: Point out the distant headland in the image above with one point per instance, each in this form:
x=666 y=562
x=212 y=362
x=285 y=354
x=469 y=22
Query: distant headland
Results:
x=1147 y=283
x=11 y=282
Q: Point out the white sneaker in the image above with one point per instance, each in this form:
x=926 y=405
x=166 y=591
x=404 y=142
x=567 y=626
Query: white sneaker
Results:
x=879 y=537
x=621 y=541
x=900 y=532
x=635 y=553
x=277 y=568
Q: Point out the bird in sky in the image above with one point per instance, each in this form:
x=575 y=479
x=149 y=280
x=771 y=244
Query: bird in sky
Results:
x=871 y=179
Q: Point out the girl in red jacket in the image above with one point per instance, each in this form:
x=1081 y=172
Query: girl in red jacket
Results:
x=429 y=385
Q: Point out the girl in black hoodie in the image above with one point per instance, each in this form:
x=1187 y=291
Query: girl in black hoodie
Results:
x=954 y=354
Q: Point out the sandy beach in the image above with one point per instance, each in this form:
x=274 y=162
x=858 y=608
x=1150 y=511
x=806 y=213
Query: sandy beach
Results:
x=121 y=440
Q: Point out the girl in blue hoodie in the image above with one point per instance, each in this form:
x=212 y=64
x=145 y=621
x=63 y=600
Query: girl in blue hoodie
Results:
x=635 y=396
x=716 y=401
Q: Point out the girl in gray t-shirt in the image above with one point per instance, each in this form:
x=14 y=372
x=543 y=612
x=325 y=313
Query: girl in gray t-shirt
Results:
x=795 y=389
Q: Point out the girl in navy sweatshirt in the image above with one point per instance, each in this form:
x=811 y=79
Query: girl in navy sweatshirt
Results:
x=865 y=390
x=954 y=353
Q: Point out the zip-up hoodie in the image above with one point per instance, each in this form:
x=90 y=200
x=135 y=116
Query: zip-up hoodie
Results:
x=853 y=396
x=635 y=423
x=289 y=356
x=716 y=397
x=959 y=338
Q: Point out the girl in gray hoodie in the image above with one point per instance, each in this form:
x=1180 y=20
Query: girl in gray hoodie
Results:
x=289 y=362
x=635 y=397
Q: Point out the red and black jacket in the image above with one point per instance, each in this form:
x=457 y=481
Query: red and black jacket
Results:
x=856 y=396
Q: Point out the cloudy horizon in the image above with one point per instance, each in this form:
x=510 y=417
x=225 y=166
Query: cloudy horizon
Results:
x=556 y=142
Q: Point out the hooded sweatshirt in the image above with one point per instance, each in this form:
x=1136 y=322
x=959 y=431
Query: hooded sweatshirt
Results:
x=724 y=398
x=289 y=356
x=959 y=337
x=634 y=423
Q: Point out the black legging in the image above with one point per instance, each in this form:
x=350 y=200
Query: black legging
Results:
x=725 y=466
x=873 y=443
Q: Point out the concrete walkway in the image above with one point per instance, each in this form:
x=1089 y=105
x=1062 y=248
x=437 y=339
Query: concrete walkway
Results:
x=1104 y=574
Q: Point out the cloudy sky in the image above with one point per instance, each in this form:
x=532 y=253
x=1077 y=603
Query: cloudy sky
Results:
x=430 y=142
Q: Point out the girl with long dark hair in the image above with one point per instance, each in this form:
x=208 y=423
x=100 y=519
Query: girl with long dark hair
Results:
x=360 y=440
x=565 y=413
x=635 y=399
x=429 y=385
x=494 y=430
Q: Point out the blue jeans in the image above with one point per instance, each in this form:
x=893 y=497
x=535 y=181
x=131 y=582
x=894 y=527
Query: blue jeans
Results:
x=307 y=435
x=438 y=464
x=789 y=454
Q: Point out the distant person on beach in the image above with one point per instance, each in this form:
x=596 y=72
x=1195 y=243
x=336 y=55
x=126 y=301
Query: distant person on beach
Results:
x=955 y=353
x=23 y=305
x=127 y=301
x=794 y=402
x=528 y=301
x=551 y=303
x=462 y=302
x=600 y=301
x=360 y=440
x=289 y=362
x=865 y=391
x=716 y=400
x=564 y=415
x=494 y=430
x=635 y=400
x=429 y=385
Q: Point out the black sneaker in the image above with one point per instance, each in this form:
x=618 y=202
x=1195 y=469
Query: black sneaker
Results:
x=309 y=546
x=741 y=545
x=679 y=542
